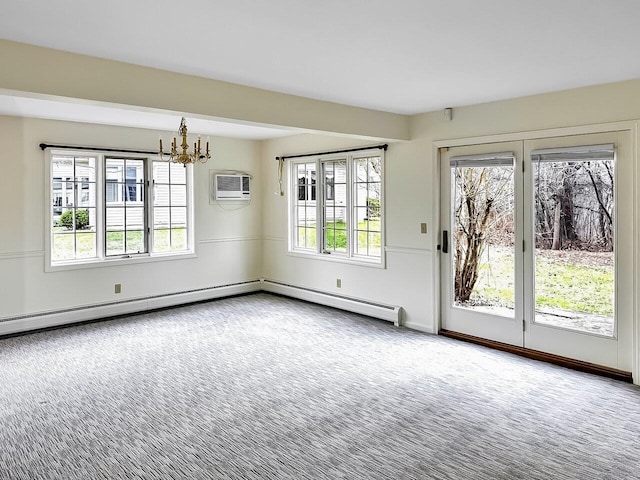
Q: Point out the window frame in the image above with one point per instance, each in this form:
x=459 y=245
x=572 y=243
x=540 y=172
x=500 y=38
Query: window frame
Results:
x=102 y=259
x=319 y=251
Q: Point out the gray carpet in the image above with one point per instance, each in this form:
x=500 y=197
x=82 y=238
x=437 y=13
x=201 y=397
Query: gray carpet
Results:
x=268 y=387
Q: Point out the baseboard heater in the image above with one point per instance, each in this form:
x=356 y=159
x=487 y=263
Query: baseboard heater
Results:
x=54 y=318
x=390 y=313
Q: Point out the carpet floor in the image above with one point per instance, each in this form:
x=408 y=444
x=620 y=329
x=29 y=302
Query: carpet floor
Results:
x=266 y=387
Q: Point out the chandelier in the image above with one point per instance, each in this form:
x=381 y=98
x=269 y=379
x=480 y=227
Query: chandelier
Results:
x=185 y=157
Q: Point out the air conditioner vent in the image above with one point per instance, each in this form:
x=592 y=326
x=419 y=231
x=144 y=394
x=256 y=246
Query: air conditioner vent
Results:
x=232 y=187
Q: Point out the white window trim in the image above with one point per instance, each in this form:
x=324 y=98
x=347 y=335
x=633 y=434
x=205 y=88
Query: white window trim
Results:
x=292 y=194
x=102 y=260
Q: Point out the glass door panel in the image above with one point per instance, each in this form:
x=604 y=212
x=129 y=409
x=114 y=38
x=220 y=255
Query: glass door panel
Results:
x=574 y=245
x=578 y=302
x=483 y=234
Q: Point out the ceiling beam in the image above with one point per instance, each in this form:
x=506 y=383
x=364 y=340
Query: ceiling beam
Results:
x=44 y=71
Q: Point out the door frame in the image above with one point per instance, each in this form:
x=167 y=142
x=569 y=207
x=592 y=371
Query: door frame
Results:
x=632 y=127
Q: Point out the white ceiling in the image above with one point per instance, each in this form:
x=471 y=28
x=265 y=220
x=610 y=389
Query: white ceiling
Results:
x=403 y=56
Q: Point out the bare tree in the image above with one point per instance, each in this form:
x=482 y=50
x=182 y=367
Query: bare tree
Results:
x=574 y=205
x=482 y=201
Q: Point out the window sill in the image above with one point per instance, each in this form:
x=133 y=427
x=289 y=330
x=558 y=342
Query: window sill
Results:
x=336 y=258
x=117 y=261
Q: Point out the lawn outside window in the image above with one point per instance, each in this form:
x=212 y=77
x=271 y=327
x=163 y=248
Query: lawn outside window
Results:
x=336 y=207
x=107 y=209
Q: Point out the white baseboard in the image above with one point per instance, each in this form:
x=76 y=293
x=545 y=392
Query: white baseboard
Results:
x=24 y=323
x=390 y=313
x=91 y=312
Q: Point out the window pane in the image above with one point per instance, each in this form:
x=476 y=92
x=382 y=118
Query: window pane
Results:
x=375 y=244
x=341 y=194
x=161 y=172
x=361 y=194
x=134 y=192
x=161 y=196
x=338 y=216
x=360 y=217
x=178 y=195
x=86 y=245
x=85 y=169
x=178 y=174
x=134 y=172
x=161 y=217
x=178 y=239
x=114 y=170
x=115 y=218
x=89 y=217
x=306 y=237
x=361 y=170
x=115 y=243
x=135 y=218
x=336 y=239
x=63 y=246
x=161 y=240
x=85 y=194
x=178 y=217
x=114 y=193
x=135 y=241
x=329 y=240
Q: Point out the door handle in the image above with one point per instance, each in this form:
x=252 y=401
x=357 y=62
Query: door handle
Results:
x=445 y=241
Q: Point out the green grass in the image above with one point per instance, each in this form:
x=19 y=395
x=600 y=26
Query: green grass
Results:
x=166 y=240
x=576 y=288
x=559 y=285
x=336 y=236
x=63 y=245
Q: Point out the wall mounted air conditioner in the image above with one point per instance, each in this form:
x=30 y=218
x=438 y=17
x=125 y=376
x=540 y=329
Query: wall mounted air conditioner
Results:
x=231 y=187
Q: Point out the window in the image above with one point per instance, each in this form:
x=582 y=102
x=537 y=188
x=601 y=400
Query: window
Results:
x=342 y=215
x=105 y=208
